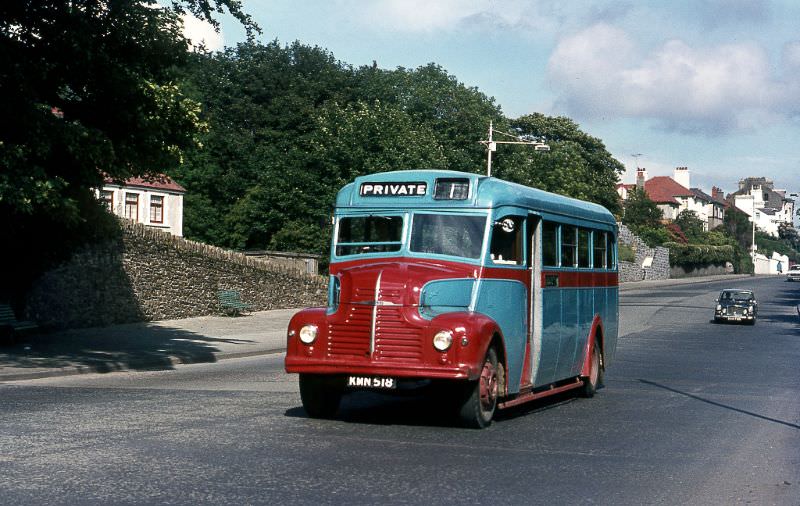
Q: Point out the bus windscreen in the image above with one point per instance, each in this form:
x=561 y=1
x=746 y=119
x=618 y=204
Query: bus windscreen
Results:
x=369 y=234
x=448 y=234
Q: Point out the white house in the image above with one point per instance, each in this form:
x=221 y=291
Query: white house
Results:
x=756 y=196
x=156 y=202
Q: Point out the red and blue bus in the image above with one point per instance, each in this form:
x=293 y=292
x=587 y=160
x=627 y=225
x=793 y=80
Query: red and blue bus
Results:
x=496 y=292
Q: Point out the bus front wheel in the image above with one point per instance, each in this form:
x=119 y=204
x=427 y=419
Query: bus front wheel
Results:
x=480 y=399
x=592 y=382
x=321 y=395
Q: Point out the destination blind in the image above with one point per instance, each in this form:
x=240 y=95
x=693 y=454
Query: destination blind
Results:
x=394 y=189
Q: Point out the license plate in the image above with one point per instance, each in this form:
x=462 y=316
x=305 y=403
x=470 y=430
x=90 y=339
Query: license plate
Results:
x=371 y=382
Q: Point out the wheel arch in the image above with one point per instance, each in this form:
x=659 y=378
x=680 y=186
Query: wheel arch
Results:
x=595 y=336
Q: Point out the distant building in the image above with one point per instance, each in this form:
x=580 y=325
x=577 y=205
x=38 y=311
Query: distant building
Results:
x=768 y=207
x=672 y=195
x=156 y=202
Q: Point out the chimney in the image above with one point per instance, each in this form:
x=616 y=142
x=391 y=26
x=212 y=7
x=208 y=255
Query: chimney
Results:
x=682 y=176
x=641 y=177
x=717 y=193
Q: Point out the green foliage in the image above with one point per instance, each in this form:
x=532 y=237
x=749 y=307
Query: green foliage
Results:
x=738 y=226
x=577 y=165
x=692 y=255
x=289 y=126
x=653 y=236
x=641 y=212
x=767 y=244
x=626 y=253
x=691 y=226
x=89 y=89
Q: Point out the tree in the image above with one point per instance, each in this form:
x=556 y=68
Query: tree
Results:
x=577 y=165
x=640 y=211
x=691 y=225
x=288 y=126
x=89 y=90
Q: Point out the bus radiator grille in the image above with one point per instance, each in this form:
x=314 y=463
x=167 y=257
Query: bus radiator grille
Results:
x=350 y=338
x=395 y=338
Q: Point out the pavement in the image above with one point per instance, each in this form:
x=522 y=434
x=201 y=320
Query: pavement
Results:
x=163 y=344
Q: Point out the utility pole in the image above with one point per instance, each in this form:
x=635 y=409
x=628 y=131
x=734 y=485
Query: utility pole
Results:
x=491 y=145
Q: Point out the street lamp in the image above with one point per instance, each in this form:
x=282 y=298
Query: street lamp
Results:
x=491 y=145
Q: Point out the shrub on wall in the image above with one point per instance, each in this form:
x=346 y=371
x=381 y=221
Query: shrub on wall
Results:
x=695 y=255
x=626 y=253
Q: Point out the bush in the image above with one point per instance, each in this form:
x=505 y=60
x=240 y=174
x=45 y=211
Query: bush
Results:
x=694 y=255
x=653 y=236
x=626 y=253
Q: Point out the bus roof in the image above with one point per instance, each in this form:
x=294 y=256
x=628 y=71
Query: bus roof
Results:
x=414 y=189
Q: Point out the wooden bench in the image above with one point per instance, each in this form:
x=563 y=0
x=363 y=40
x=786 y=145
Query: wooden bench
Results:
x=10 y=327
x=231 y=302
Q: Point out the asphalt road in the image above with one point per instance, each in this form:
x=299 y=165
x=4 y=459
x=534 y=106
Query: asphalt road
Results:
x=692 y=413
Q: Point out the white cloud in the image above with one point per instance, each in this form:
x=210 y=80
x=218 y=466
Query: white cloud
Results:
x=442 y=15
x=599 y=72
x=200 y=32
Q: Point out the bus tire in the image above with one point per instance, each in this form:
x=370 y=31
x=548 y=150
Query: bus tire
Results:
x=321 y=395
x=480 y=397
x=592 y=382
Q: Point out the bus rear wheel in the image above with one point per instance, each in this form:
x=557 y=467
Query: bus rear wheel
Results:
x=480 y=400
x=592 y=382
x=321 y=395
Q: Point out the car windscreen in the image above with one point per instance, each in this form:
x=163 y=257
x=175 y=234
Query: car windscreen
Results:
x=448 y=234
x=737 y=296
x=358 y=235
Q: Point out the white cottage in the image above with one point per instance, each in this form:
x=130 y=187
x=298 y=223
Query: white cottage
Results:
x=156 y=202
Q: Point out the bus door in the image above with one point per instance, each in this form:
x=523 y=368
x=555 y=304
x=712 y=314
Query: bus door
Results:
x=534 y=240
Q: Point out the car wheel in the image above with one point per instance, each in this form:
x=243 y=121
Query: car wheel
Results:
x=592 y=382
x=480 y=402
x=321 y=395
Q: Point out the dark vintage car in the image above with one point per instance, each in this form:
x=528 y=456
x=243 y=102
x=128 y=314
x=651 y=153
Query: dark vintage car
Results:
x=734 y=305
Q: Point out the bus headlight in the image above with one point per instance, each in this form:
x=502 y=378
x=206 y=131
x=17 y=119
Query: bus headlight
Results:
x=308 y=334
x=442 y=340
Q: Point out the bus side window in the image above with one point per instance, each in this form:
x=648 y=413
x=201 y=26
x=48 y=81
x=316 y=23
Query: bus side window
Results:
x=569 y=248
x=550 y=244
x=584 y=247
x=610 y=258
x=506 y=246
x=600 y=250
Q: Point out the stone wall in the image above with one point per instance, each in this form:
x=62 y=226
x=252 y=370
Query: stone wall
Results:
x=639 y=269
x=705 y=270
x=150 y=275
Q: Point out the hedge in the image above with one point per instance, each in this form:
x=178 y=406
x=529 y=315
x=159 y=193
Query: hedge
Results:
x=693 y=255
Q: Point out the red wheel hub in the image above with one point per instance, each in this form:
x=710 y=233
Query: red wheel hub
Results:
x=488 y=386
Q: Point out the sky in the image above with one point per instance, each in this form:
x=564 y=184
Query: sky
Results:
x=712 y=85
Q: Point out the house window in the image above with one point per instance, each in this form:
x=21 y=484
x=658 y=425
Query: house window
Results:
x=156 y=209
x=132 y=206
x=107 y=198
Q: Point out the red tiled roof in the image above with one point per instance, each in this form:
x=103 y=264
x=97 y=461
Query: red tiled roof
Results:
x=664 y=189
x=158 y=182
